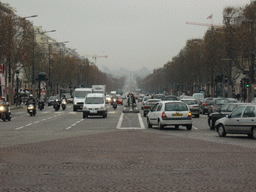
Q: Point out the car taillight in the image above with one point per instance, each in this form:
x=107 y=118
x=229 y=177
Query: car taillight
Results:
x=164 y=115
x=189 y=114
x=213 y=108
x=145 y=107
x=205 y=104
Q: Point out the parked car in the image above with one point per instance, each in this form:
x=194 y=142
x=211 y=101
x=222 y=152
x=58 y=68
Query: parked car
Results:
x=216 y=104
x=222 y=112
x=193 y=106
x=240 y=121
x=174 y=113
x=170 y=98
x=204 y=105
x=149 y=105
x=144 y=101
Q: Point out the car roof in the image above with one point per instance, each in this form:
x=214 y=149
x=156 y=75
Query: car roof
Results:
x=95 y=95
x=188 y=99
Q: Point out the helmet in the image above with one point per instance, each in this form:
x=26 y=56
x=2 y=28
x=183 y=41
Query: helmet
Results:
x=31 y=96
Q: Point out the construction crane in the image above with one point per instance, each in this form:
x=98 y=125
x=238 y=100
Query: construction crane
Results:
x=203 y=24
x=96 y=56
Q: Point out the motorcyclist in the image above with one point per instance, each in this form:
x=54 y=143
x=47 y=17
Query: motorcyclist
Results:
x=31 y=100
x=6 y=104
x=64 y=97
x=114 y=98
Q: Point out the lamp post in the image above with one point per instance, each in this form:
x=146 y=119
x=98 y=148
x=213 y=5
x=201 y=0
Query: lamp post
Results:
x=33 y=59
x=9 y=54
x=17 y=80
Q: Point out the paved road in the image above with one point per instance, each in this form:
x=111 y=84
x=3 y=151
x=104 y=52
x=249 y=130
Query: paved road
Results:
x=61 y=151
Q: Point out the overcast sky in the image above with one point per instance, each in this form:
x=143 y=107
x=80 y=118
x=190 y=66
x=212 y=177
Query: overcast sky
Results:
x=132 y=33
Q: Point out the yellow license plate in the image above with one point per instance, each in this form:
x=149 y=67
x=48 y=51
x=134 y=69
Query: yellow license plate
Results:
x=177 y=114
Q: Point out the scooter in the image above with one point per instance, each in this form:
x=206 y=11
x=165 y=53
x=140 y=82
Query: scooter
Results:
x=5 y=113
x=56 y=105
x=31 y=109
x=114 y=104
x=63 y=104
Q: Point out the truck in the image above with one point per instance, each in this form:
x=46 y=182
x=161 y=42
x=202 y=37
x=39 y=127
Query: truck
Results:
x=99 y=89
x=79 y=97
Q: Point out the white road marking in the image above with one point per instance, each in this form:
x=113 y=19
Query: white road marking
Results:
x=131 y=128
x=43 y=120
x=194 y=127
x=19 y=127
x=141 y=122
x=120 y=121
x=46 y=112
x=74 y=124
x=36 y=122
x=18 y=113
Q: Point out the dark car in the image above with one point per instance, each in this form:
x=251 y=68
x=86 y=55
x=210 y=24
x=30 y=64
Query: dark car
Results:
x=160 y=96
x=216 y=104
x=51 y=100
x=204 y=105
x=149 y=105
x=222 y=112
x=170 y=98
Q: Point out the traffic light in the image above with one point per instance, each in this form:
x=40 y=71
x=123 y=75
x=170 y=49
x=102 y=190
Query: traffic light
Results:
x=247 y=83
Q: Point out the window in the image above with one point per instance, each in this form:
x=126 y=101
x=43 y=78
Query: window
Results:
x=159 y=107
x=176 y=107
x=221 y=101
x=94 y=100
x=249 y=112
x=237 y=112
x=154 y=108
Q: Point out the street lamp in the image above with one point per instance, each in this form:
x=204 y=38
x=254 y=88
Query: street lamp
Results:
x=33 y=60
x=17 y=79
x=9 y=55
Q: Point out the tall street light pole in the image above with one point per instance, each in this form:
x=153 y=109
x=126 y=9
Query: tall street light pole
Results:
x=33 y=59
x=9 y=55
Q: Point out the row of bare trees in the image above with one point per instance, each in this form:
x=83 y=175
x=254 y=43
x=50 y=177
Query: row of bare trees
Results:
x=223 y=55
x=22 y=49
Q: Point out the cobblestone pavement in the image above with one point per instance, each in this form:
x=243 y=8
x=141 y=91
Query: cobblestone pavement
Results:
x=127 y=160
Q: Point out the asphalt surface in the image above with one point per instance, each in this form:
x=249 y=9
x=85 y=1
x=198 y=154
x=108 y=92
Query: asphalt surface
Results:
x=61 y=151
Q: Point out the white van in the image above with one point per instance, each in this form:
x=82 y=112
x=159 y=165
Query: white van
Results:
x=79 y=96
x=95 y=104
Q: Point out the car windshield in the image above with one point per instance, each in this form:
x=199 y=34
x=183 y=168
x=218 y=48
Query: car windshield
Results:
x=81 y=94
x=199 y=96
x=94 y=100
x=221 y=101
x=153 y=100
x=146 y=98
x=225 y=107
x=159 y=96
x=190 y=102
x=171 y=98
x=176 y=107
x=208 y=101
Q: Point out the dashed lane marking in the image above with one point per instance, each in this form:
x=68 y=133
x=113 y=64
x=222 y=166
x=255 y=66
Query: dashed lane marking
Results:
x=74 y=124
x=194 y=127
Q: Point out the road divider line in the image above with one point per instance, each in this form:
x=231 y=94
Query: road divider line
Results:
x=74 y=124
x=19 y=128
x=141 y=122
x=120 y=121
x=194 y=127
x=36 y=121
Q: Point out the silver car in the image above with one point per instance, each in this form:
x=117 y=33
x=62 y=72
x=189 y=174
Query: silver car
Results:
x=193 y=106
x=241 y=121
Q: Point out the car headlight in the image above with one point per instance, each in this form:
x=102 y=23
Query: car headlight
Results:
x=85 y=108
x=101 y=108
x=75 y=103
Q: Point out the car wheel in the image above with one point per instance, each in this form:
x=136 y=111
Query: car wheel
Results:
x=189 y=127
x=254 y=132
x=149 y=125
x=176 y=126
x=74 y=109
x=144 y=114
x=211 y=124
x=221 y=130
x=84 y=115
x=160 y=126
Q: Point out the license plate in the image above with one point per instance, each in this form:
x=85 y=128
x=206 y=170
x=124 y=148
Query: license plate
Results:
x=177 y=114
x=93 y=111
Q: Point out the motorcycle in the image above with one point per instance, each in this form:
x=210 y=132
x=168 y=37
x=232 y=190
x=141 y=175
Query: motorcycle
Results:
x=31 y=109
x=5 y=113
x=115 y=104
x=56 y=105
x=63 y=104
x=40 y=105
